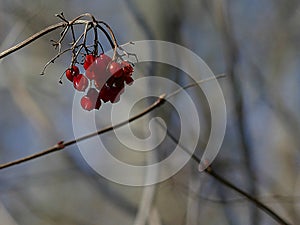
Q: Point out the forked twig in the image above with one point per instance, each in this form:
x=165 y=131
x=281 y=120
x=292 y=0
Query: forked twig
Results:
x=68 y=25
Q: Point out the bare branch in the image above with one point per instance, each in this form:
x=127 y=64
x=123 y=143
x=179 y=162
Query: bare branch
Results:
x=61 y=145
x=37 y=36
x=227 y=183
x=67 y=25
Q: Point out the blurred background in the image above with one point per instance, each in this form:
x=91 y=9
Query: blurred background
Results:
x=256 y=43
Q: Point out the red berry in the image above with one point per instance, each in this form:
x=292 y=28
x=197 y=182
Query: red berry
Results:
x=89 y=60
x=110 y=82
x=115 y=69
x=127 y=68
x=100 y=71
x=72 y=72
x=90 y=73
x=119 y=82
x=115 y=93
x=89 y=66
x=99 y=84
x=93 y=94
x=101 y=64
x=101 y=79
x=80 y=82
x=105 y=93
x=129 y=80
x=115 y=82
x=104 y=58
x=98 y=103
x=86 y=103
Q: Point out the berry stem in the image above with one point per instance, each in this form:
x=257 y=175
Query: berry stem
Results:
x=95 y=40
x=111 y=42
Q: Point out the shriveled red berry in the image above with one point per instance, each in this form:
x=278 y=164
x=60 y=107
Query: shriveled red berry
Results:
x=128 y=80
x=110 y=82
x=119 y=82
x=115 y=82
x=89 y=60
x=115 y=69
x=115 y=93
x=98 y=103
x=105 y=93
x=127 y=68
x=80 y=82
x=72 y=72
x=87 y=103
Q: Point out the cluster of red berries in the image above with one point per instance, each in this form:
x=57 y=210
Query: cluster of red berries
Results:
x=105 y=78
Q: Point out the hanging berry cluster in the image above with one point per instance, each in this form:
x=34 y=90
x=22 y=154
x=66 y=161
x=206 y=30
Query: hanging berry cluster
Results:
x=104 y=78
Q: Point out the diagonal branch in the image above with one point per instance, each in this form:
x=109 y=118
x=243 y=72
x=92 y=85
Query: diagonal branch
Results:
x=227 y=183
x=62 y=145
x=160 y=101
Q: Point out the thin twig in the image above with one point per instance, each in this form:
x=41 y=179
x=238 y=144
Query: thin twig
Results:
x=107 y=35
x=65 y=24
x=275 y=198
x=37 y=36
x=54 y=58
x=61 y=145
x=227 y=183
x=195 y=84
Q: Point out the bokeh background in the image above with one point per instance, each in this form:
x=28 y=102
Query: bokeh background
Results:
x=256 y=43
